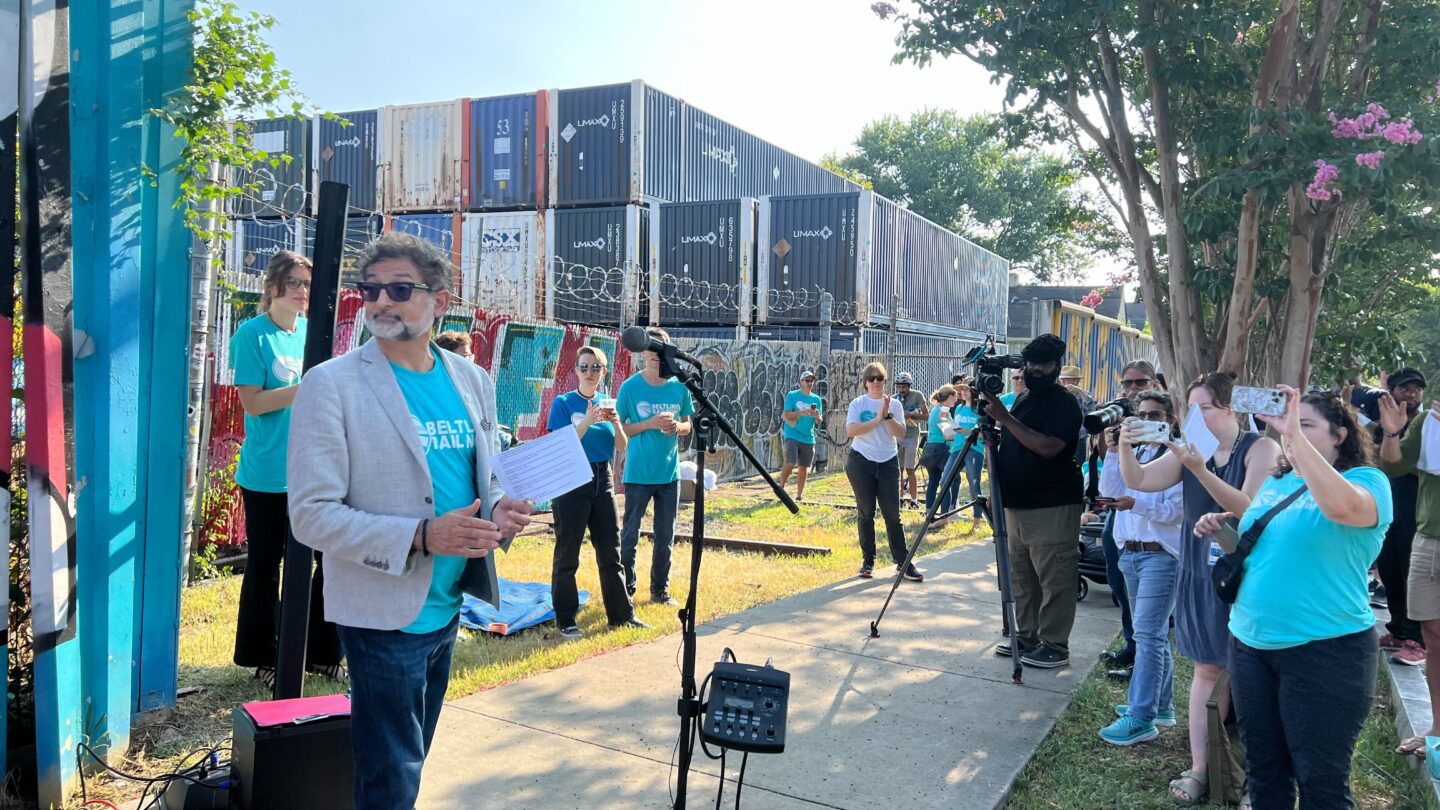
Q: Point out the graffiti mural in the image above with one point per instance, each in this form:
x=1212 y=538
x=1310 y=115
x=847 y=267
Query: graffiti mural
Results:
x=1100 y=346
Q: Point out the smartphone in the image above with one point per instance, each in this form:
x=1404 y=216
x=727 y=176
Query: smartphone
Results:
x=1102 y=504
x=1155 y=432
x=1265 y=401
x=1227 y=538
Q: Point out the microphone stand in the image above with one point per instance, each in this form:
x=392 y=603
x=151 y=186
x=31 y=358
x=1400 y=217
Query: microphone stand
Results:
x=706 y=422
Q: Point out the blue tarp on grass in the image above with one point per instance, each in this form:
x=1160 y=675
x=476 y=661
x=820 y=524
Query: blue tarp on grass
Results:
x=522 y=605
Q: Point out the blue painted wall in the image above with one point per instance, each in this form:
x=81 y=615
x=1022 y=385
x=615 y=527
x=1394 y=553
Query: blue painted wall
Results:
x=131 y=316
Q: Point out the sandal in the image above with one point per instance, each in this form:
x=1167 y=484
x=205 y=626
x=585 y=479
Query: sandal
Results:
x=266 y=675
x=1412 y=747
x=335 y=672
x=1181 y=792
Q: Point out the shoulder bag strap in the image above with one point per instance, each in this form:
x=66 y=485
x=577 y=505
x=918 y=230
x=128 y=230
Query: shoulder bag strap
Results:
x=1252 y=534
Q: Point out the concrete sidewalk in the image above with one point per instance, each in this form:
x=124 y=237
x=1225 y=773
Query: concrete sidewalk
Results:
x=924 y=716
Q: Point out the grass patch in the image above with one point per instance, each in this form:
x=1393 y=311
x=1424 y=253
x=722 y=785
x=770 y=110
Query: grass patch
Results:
x=1074 y=768
x=730 y=582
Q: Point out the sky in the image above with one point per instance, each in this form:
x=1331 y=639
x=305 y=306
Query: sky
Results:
x=806 y=75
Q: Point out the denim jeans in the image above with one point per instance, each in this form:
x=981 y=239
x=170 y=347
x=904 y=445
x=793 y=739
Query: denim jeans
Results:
x=876 y=483
x=1300 y=711
x=1118 y=582
x=974 y=461
x=1150 y=586
x=397 y=686
x=667 y=502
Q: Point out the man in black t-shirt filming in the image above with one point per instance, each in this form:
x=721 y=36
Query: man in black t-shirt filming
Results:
x=1042 y=489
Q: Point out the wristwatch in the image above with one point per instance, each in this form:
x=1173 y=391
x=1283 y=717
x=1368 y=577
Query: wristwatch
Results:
x=888 y=415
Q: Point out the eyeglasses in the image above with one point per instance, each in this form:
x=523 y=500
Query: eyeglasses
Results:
x=586 y=368
x=1135 y=383
x=399 y=291
x=1017 y=376
x=807 y=379
x=874 y=378
x=1152 y=416
x=292 y=283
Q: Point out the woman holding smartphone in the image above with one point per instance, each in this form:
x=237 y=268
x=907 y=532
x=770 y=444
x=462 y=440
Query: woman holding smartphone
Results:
x=1223 y=483
x=875 y=424
x=966 y=420
x=589 y=413
x=937 y=442
x=1302 y=655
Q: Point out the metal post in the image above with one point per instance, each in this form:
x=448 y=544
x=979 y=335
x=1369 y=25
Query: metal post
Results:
x=202 y=279
x=319 y=345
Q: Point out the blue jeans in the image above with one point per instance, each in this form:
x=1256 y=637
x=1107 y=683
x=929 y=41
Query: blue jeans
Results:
x=1150 y=585
x=667 y=502
x=973 y=462
x=1301 y=710
x=1116 y=580
x=397 y=686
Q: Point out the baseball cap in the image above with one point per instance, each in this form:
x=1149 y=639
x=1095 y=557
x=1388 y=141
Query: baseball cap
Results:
x=1405 y=376
x=807 y=374
x=904 y=378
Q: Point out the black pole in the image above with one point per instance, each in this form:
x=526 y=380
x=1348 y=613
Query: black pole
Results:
x=707 y=420
x=319 y=346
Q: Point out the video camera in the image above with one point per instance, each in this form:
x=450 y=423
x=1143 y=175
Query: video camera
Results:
x=990 y=367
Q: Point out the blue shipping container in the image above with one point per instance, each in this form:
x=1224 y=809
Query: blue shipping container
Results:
x=360 y=231
x=589 y=254
x=810 y=245
x=437 y=229
x=724 y=161
x=347 y=151
x=509 y=152
x=282 y=190
x=704 y=261
x=614 y=144
x=256 y=241
x=947 y=279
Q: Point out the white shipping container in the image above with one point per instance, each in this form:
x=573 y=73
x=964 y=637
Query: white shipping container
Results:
x=502 y=261
x=422 y=151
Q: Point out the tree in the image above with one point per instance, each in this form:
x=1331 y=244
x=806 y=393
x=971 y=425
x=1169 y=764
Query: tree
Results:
x=1204 y=122
x=964 y=174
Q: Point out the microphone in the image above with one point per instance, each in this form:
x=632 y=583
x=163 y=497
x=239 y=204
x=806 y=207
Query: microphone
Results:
x=637 y=339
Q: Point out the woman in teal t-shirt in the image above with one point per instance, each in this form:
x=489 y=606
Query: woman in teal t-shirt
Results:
x=1303 y=642
x=937 y=444
x=267 y=354
x=966 y=419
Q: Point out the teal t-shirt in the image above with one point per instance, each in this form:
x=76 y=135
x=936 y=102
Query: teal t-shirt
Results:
x=448 y=438
x=804 y=429
x=568 y=410
x=652 y=457
x=1306 y=580
x=263 y=354
x=966 y=420
x=935 y=434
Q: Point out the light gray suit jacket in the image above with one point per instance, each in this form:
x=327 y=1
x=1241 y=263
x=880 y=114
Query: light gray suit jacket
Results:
x=359 y=486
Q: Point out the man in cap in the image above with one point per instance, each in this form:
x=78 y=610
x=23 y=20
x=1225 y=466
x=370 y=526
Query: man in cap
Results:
x=1042 y=490
x=1406 y=390
x=916 y=414
x=802 y=413
x=1070 y=378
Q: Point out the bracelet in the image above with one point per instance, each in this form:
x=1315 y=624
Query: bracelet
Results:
x=424 y=540
x=1397 y=434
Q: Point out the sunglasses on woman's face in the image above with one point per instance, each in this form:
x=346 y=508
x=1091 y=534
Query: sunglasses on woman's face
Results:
x=586 y=368
x=399 y=291
x=1135 y=383
x=1152 y=416
x=874 y=378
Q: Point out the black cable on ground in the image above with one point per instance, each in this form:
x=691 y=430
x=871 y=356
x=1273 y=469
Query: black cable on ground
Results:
x=740 y=783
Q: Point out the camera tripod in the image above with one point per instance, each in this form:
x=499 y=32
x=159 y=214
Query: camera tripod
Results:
x=995 y=510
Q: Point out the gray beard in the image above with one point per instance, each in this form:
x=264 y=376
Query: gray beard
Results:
x=402 y=332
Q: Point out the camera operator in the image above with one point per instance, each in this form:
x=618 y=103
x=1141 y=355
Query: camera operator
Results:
x=1042 y=492
x=1147 y=528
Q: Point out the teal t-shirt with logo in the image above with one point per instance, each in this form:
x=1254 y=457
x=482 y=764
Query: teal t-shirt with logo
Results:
x=568 y=411
x=804 y=429
x=965 y=419
x=263 y=354
x=448 y=438
x=652 y=457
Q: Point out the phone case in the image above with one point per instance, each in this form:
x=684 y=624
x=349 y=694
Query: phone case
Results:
x=1155 y=432
x=1266 y=401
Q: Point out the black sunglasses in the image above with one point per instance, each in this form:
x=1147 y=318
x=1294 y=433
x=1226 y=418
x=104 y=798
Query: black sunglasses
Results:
x=1135 y=383
x=399 y=291
x=875 y=378
x=585 y=368
x=1153 y=416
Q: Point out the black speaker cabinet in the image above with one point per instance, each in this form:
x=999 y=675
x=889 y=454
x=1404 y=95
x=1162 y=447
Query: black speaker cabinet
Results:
x=302 y=763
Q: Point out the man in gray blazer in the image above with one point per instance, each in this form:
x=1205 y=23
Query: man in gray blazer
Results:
x=389 y=476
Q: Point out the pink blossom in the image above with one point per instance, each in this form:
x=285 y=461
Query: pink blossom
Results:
x=1092 y=299
x=1377 y=111
x=1370 y=160
x=1401 y=132
x=883 y=10
x=1319 y=188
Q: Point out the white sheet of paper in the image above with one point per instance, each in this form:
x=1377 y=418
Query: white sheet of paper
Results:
x=1197 y=434
x=1430 y=446
x=544 y=468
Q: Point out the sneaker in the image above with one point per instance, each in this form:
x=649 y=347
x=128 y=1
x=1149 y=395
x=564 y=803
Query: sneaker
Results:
x=866 y=571
x=266 y=675
x=571 y=633
x=663 y=598
x=630 y=622
x=1045 y=657
x=1118 y=659
x=1005 y=650
x=1377 y=598
x=912 y=574
x=1389 y=642
x=1410 y=654
x=1119 y=675
x=1164 y=718
x=1128 y=731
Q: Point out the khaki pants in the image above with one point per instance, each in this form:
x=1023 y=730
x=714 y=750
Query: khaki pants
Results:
x=1044 y=560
